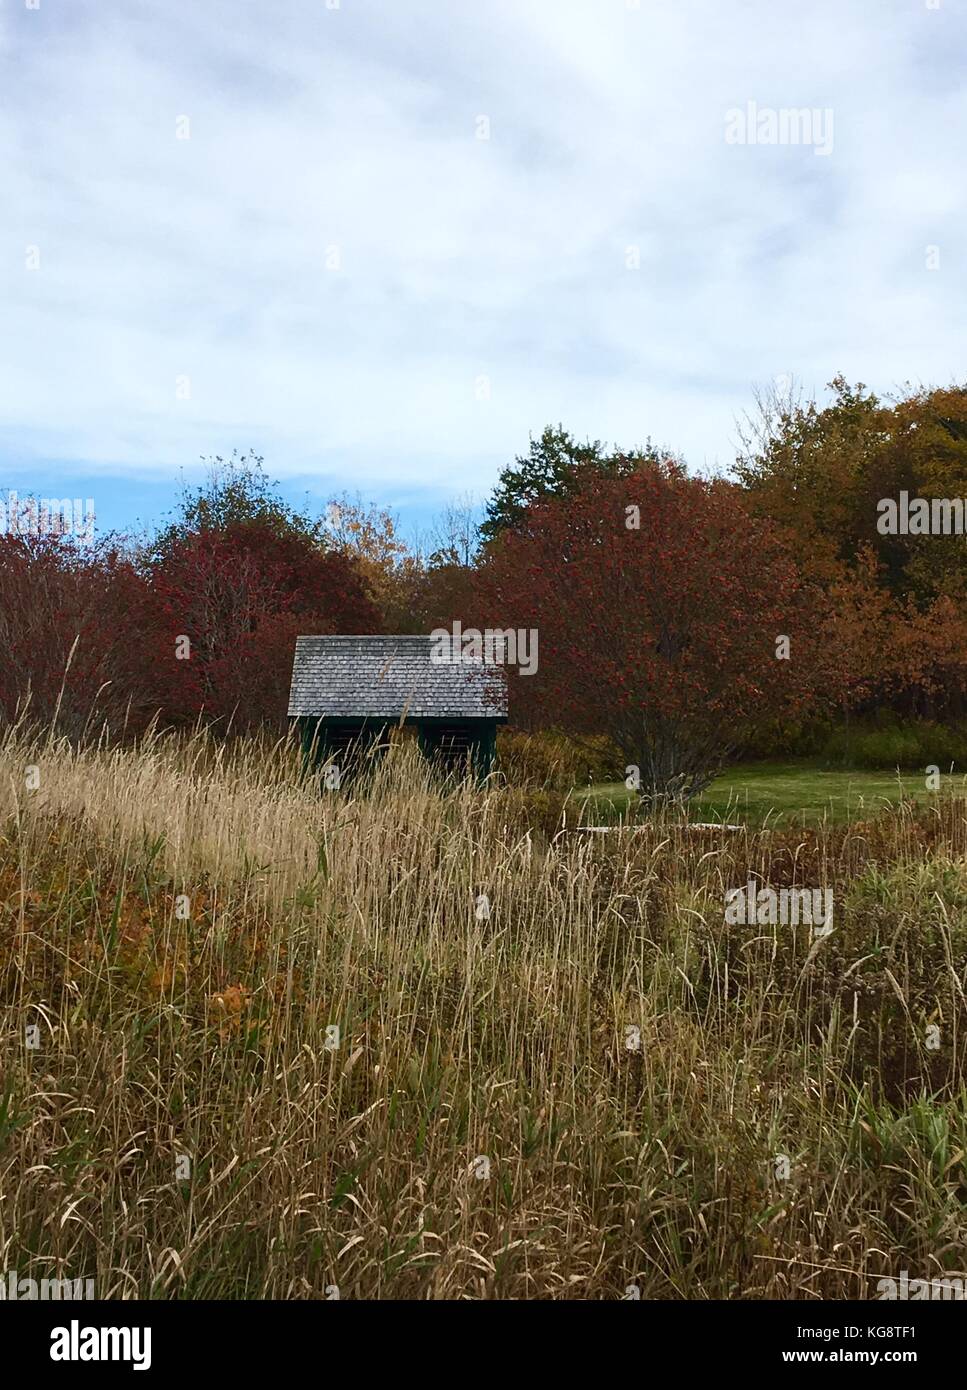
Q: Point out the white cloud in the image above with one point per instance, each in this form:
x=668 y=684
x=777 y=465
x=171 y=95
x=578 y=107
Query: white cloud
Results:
x=355 y=128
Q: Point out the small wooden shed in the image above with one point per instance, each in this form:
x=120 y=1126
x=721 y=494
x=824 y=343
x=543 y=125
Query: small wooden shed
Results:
x=348 y=691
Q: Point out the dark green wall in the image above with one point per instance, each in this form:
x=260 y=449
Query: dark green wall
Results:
x=320 y=737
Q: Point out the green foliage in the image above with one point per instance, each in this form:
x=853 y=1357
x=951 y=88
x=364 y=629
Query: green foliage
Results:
x=807 y=466
x=552 y=467
x=887 y=743
x=881 y=740
x=781 y=740
x=236 y=492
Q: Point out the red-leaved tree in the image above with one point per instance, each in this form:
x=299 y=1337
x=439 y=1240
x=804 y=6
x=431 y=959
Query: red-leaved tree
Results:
x=661 y=607
x=240 y=595
x=70 y=635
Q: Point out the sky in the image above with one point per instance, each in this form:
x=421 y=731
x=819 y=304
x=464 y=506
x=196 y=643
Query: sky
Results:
x=383 y=242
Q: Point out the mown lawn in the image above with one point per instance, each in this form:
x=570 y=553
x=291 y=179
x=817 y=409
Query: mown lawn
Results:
x=790 y=793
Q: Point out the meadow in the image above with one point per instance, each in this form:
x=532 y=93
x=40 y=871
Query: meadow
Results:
x=399 y=1041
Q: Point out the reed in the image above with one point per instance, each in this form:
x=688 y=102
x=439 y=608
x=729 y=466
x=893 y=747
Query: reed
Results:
x=395 y=1042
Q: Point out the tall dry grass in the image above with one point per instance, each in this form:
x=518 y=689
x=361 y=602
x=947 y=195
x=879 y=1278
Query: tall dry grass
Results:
x=598 y=1086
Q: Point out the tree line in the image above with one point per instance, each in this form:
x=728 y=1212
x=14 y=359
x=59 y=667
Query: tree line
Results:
x=681 y=615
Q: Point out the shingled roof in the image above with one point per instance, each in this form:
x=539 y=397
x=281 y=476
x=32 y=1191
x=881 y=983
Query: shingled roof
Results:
x=393 y=678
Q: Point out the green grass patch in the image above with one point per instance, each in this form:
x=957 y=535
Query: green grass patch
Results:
x=788 y=794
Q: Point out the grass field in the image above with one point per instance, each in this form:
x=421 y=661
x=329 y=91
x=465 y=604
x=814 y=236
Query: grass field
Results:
x=792 y=794
x=261 y=1043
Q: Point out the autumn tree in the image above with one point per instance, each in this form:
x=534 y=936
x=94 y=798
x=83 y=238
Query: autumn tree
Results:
x=825 y=471
x=368 y=536
x=232 y=579
x=227 y=604
x=668 y=617
x=859 y=648
x=925 y=454
x=808 y=468
x=70 y=634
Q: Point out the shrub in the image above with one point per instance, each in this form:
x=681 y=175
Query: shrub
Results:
x=886 y=744
x=549 y=758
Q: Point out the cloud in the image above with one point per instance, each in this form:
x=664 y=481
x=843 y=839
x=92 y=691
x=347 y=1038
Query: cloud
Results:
x=335 y=269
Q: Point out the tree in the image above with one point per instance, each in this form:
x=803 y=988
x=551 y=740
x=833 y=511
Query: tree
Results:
x=236 y=492
x=807 y=468
x=240 y=596
x=858 y=649
x=414 y=591
x=824 y=472
x=924 y=453
x=659 y=602
x=232 y=580
x=369 y=538
x=553 y=467
x=896 y=615
x=880 y=649
x=456 y=534
x=71 y=634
